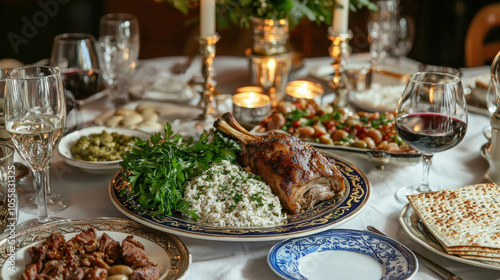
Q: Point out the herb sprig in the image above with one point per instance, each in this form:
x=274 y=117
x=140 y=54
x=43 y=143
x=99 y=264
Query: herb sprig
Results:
x=157 y=169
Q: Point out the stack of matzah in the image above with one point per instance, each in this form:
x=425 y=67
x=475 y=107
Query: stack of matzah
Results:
x=466 y=221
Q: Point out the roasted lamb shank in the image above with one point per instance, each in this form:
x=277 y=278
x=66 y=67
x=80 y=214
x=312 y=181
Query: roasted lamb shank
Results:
x=298 y=173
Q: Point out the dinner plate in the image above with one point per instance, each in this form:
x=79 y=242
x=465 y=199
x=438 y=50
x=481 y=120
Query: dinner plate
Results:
x=377 y=99
x=166 y=112
x=165 y=88
x=410 y=222
x=476 y=96
x=325 y=215
x=167 y=251
x=342 y=254
x=387 y=75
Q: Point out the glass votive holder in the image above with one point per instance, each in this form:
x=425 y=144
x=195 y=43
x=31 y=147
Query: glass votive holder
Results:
x=250 y=108
x=271 y=74
x=303 y=89
x=359 y=74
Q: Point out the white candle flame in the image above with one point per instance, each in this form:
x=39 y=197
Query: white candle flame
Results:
x=303 y=90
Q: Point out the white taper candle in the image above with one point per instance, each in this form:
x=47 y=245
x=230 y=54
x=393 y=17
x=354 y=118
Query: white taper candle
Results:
x=341 y=17
x=207 y=18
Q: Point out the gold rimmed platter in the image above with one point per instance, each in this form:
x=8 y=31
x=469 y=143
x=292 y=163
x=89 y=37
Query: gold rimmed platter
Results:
x=167 y=251
x=323 y=216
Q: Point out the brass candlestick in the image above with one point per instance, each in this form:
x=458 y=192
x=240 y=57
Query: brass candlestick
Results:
x=339 y=51
x=207 y=50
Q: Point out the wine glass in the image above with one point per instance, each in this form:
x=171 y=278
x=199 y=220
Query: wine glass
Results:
x=114 y=58
x=405 y=37
x=431 y=117
x=118 y=50
x=382 y=30
x=35 y=115
x=75 y=55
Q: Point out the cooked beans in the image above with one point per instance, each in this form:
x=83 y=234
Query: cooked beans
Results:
x=117 y=277
x=103 y=146
x=120 y=269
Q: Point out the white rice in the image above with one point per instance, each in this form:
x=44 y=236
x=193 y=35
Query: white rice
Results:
x=227 y=195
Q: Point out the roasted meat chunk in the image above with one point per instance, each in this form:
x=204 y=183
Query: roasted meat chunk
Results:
x=133 y=254
x=110 y=247
x=296 y=172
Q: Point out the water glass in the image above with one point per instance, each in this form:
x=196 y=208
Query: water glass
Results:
x=115 y=59
x=118 y=50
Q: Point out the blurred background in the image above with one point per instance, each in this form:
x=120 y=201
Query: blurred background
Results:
x=29 y=27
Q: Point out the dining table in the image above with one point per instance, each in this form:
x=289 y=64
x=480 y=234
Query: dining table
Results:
x=460 y=166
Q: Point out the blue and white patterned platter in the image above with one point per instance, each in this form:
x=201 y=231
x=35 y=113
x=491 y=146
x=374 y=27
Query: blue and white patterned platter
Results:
x=342 y=254
x=323 y=216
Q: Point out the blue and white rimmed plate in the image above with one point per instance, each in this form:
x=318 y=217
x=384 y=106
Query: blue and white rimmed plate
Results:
x=342 y=254
x=323 y=216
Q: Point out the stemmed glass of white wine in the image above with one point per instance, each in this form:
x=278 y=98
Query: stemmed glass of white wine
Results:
x=35 y=115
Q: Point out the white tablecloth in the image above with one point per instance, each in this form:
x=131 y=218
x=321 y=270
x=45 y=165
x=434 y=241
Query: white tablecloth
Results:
x=460 y=166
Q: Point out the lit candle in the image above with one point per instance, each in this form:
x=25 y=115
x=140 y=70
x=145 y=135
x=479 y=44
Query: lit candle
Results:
x=341 y=17
x=207 y=18
x=303 y=89
x=251 y=100
x=271 y=69
x=251 y=107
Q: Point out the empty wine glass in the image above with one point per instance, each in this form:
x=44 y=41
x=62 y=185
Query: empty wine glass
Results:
x=382 y=30
x=404 y=38
x=35 y=114
x=75 y=55
x=115 y=59
x=119 y=32
x=431 y=117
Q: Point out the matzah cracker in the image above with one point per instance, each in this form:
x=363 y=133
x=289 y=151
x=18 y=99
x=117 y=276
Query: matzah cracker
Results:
x=495 y=260
x=467 y=216
x=475 y=253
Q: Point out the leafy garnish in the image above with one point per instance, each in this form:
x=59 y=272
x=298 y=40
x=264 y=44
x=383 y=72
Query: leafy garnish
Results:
x=157 y=169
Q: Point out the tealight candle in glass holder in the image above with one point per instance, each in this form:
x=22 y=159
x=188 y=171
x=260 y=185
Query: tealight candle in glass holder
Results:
x=303 y=89
x=251 y=107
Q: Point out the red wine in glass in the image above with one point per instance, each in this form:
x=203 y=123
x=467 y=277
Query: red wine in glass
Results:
x=82 y=83
x=431 y=117
x=431 y=132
